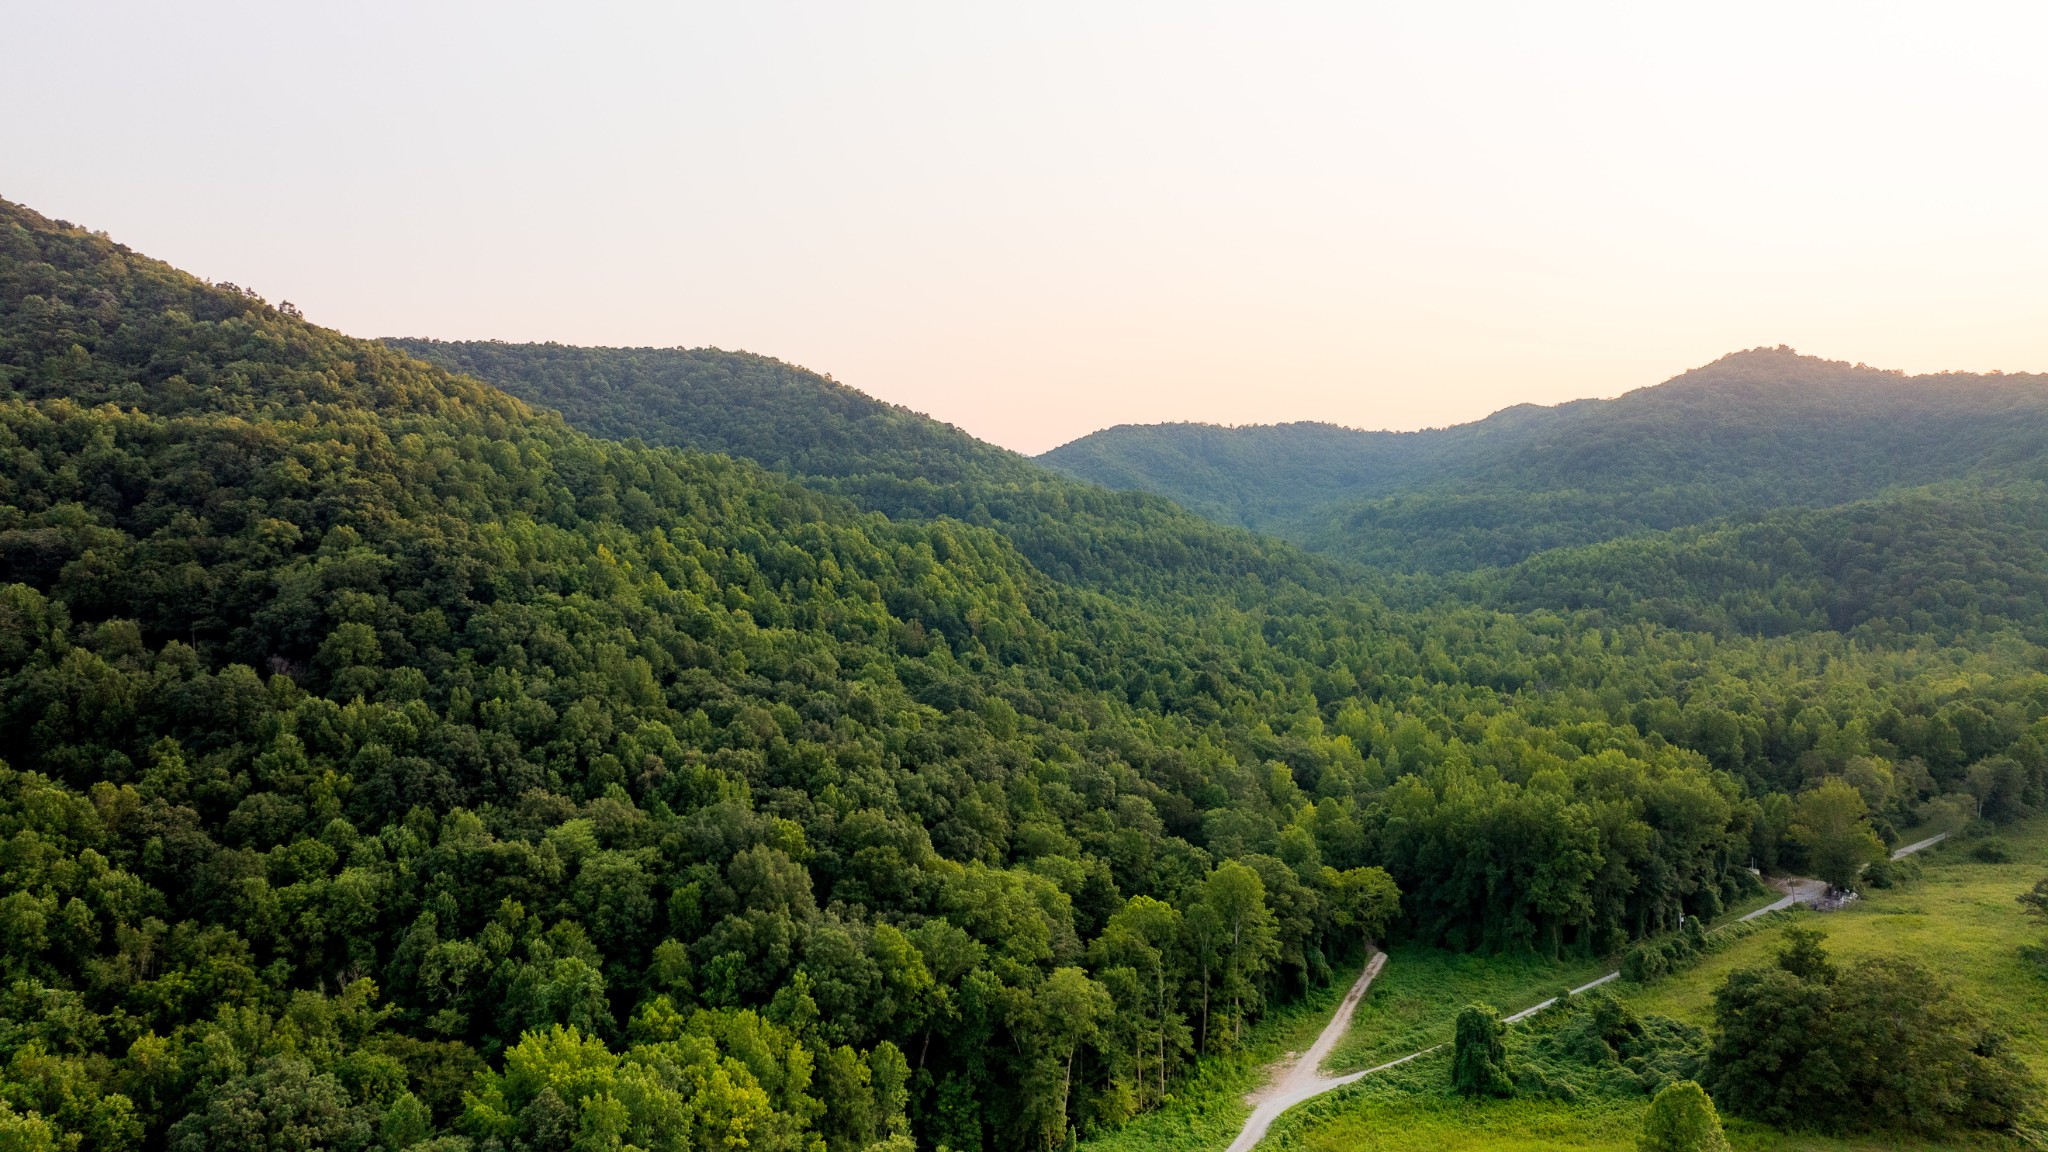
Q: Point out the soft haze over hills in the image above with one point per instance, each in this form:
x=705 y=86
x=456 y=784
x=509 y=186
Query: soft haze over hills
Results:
x=885 y=457
x=1040 y=220
x=1752 y=431
x=1952 y=559
x=391 y=763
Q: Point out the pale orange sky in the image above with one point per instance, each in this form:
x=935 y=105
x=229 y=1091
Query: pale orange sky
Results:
x=1041 y=222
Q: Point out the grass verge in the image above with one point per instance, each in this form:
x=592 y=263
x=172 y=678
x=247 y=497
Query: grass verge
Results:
x=1206 y=1109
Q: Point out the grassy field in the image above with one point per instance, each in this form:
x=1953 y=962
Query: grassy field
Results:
x=1414 y=1001
x=1417 y=996
x=1413 y=1113
x=1960 y=918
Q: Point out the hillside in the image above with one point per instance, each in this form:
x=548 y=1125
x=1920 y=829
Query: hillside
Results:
x=1751 y=432
x=884 y=457
x=785 y=417
x=389 y=762
x=1913 y=562
x=1914 y=565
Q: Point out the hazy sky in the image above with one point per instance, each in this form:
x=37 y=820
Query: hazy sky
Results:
x=1042 y=219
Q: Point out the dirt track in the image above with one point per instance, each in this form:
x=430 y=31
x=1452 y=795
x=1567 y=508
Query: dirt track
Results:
x=1300 y=1078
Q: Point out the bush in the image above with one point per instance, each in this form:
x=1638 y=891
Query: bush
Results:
x=2035 y=902
x=1991 y=850
x=1651 y=959
x=1890 y=873
x=1479 y=1058
x=1645 y=962
x=1682 y=1119
x=1594 y=1046
x=1879 y=1044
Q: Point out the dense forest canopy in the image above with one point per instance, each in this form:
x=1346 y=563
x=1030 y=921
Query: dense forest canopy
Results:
x=389 y=763
x=1751 y=432
x=884 y=458
x=1940 y=563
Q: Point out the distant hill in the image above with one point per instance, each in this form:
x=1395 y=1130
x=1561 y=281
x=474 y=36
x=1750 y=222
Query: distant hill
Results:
x=1941 y=561
x=1751 y=432
x=778 y=414
x=883 y=456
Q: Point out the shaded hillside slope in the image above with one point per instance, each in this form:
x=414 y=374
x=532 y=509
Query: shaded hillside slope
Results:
x=1942 y=562
x=883 y=456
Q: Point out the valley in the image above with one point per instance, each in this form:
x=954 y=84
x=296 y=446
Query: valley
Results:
x=452 y=747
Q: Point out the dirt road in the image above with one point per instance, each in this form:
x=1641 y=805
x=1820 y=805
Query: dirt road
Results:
x=1298 y=1079
x=1909 y=849
x=1291 y=1083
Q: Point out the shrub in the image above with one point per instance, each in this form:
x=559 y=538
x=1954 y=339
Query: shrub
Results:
x=1594 y=1046
x=1879 y=1044
x=1991 y=850
x=1890 y=873
x=1682 y=1119
x=1651 y=959
x=1644 y=963
x=1479 y=1058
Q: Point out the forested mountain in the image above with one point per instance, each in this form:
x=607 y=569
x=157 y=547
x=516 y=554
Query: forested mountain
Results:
x=886 y=458
x=788 y=418
x=390 y=764
x=1751 y=432
x=1940 y=563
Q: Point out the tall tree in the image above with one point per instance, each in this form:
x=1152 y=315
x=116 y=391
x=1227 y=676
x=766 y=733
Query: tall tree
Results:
x=1146 y=935
x=1832 y=824
x=1234 y=901
x=1071 y=1009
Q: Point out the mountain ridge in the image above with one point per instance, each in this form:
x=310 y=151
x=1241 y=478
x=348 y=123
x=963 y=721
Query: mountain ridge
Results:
x=1753 y=430
x=884 y=457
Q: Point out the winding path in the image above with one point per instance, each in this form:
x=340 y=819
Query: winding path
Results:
x=1302 y=1079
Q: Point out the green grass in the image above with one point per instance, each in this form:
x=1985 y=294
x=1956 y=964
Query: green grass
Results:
x=1415 y=999
x=1417 y=995
x=1417 y=1114
x=1960 y=918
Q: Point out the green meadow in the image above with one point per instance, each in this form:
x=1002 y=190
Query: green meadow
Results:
x=1960 y=917
x=1417 y=995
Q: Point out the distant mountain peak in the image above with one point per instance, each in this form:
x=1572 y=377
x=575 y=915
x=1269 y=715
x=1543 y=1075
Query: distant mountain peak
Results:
x=1756 y=429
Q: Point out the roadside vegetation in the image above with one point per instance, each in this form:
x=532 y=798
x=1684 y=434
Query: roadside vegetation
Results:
x=1206 y=1110
x=1946 y=948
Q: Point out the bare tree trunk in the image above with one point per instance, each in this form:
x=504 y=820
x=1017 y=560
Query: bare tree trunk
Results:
x=1137 y=1064
x=1067 y=1087
x=1159 y=978
x=1236 y=1010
